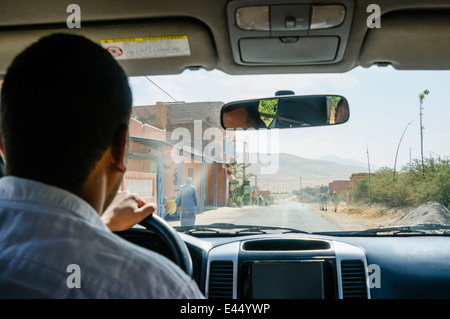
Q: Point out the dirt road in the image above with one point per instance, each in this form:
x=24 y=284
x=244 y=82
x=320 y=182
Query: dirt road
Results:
x=286 y=214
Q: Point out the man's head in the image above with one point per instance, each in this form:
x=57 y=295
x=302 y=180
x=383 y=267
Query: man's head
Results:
x=65 y=103
x=242 y=116
x=342 y=112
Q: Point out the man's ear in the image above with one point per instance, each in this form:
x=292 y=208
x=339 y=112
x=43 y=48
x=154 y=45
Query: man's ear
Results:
x=119 y=148
x=2 y=149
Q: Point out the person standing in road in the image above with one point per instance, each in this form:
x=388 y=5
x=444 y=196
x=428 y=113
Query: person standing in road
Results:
x=254 y=202
x=187 y=201
x=335 y=200
x=321 y=202
x=260 y=200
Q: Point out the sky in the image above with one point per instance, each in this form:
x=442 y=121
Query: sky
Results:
x=382 y=102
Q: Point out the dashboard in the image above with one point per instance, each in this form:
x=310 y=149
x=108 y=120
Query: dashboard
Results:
x=313 y=266
x=308 y=266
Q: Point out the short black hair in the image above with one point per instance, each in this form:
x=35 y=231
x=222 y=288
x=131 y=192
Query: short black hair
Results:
x=63 y=100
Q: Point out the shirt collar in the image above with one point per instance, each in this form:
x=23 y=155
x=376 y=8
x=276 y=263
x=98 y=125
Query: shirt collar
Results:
x=25 y=190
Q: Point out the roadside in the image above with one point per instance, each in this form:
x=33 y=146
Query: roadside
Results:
x=285 y=214
x=347 y=217
x=213 y=215
x=350 y=217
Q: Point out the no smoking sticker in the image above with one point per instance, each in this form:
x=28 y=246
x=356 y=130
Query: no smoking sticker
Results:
x=115 y=51
x=147 y=47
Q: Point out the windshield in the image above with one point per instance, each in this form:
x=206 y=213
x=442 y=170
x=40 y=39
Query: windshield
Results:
x=387 y=166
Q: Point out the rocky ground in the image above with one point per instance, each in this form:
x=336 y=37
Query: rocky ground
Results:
x=352 y=217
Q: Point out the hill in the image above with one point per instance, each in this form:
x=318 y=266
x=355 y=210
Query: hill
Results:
x=347 y=161
x=312 y=172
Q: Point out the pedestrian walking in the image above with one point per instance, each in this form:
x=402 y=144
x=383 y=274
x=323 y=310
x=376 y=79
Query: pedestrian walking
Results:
x=322 y=202
x=335 y=200
x=187 y=201
x=254 y=201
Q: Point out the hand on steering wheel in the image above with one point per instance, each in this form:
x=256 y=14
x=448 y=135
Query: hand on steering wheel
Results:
x=173 y=239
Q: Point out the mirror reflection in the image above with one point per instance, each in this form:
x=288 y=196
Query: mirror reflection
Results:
x=286 y=112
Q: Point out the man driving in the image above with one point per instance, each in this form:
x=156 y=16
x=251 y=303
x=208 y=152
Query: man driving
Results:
x=65 y=108
x=242 y=116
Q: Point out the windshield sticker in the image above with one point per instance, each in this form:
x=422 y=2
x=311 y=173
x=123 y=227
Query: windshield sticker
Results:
x=147 y=47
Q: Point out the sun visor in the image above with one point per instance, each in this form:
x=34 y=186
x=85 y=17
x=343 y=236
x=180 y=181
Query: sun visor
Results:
x=163 y=46
x=409 y=40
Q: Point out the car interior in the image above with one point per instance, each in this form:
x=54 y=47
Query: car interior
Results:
x=241 y=37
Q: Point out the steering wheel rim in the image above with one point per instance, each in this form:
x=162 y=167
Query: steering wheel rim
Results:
x=173 y=239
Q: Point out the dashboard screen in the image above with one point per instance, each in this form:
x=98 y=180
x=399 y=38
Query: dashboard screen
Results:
x=287 y=280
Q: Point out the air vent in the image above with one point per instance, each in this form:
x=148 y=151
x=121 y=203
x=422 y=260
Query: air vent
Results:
x=220 y=280
x=286 y=244
x=353 y=279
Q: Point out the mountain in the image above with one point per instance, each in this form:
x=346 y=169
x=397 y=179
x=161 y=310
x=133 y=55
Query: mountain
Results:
x=346 y=161
x=313 y=172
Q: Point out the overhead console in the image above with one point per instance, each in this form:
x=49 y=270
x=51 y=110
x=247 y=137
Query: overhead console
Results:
x=289 y=33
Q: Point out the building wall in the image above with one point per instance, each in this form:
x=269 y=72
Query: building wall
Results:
x=195 y=117
x=356 y=177
x=141 y=183
x=221 y=190
x=151 y=120
x=140 y=177
x=338 y=186
x=150 y=131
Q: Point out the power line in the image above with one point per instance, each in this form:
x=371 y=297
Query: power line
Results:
x=200 y=118
x=161 y=89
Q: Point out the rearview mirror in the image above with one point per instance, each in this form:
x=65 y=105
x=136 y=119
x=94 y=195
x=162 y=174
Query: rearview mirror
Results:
x=285 y=112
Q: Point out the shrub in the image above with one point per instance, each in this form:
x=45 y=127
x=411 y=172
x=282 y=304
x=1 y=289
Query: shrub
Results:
x=239 y=201
x=411 y=187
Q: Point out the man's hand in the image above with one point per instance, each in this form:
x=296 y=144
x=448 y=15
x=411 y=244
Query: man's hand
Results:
x=126 y=210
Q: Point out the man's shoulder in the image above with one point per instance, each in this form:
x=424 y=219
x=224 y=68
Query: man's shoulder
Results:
x=188 y=186
x=109 y=266
x=149 y=273
x=152 y=273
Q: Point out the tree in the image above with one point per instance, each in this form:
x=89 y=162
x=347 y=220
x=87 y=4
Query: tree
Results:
x=268 y=107
x=236 y=171
x=421 y=98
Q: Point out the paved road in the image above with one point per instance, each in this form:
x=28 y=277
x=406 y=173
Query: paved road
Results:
x=286 y=214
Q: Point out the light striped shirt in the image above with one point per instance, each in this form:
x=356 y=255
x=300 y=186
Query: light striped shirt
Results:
x=52 y=242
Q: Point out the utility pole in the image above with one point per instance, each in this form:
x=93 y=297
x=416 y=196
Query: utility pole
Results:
x=243 y=167
x=398 y=147
x=300 y=190
x=368 y=164
x=421 y=97
x=410 y=160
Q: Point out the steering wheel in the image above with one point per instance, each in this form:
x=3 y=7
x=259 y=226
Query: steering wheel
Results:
x=173 y=240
